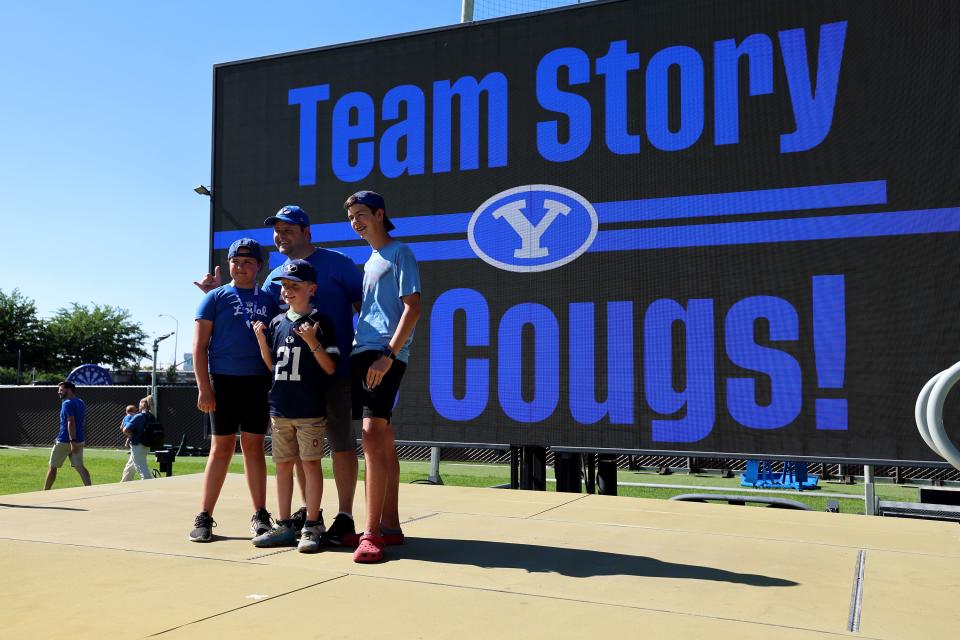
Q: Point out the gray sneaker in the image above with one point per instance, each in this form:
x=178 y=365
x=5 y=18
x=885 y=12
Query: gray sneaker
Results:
x=281 y=535
x=202 y=528
x=261 y=522
x=310 y=536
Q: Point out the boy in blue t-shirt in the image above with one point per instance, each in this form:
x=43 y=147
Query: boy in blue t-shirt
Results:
x=232 y=384
x=299 y=347
x=388 y=315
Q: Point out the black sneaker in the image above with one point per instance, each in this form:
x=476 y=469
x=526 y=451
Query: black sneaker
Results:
x=299 y=519
x=202 y=528
x=261 y=522
x=341 y=533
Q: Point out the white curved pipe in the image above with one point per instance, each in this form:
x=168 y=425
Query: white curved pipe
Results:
x=920 y=413
x=938 y=396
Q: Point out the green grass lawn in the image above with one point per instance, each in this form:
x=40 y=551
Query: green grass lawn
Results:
x=23 y=470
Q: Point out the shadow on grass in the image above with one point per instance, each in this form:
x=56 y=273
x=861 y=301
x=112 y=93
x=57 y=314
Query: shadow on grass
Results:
x=574 y=563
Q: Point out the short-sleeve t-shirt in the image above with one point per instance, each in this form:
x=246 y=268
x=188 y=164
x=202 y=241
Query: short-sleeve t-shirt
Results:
x=135 y=423
x=390 y=273
x=299 y=382
x=233 y=348
x=72 y=407
x=339 y=286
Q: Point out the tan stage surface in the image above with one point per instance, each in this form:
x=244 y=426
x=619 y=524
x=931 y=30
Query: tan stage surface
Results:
x=113 y=561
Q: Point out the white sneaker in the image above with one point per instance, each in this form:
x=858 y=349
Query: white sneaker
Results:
x=310 y=536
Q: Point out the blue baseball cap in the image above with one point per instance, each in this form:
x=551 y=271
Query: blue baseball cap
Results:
x=245 y=248
x=298 y=271
x=373 y=200
x=289 y=213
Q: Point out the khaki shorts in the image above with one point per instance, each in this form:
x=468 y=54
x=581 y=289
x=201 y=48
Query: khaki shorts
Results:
x=60 y=452
x=297 y=438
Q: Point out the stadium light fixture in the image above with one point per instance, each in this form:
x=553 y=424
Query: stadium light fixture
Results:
x=153 y=377
x=176 y=334
x=202 y=190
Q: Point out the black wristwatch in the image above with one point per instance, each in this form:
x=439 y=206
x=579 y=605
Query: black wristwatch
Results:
x=388 y=352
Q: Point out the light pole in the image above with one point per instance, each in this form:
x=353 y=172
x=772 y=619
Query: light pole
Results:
x=176 y=334
x=201 y=190
x=153 y=378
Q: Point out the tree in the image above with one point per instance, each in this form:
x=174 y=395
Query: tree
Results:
x=96 y=335
x=21 y=329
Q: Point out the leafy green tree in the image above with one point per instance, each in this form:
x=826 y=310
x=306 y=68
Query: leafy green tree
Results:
x=95 y=335
x=21 y=330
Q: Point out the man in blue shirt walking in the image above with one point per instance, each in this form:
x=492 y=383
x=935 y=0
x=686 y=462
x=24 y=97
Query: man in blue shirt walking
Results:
x=70 y=439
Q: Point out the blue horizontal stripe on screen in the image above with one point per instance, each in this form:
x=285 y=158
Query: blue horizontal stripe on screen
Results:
x=744 y=202
x=223 y=239
x=863 y=225
x=679 y=207
x=440 y=224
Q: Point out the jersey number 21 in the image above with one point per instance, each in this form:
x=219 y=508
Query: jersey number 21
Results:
x=284 y=353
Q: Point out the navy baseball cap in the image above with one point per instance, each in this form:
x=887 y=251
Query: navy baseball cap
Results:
x=375 y=201
x=289 y=213
x=245 y=248
x=298 y=271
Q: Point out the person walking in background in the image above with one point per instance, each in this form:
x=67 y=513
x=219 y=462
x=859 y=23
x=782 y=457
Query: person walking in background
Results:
x=70 y=438
x=381 y=347
x=132 y=426
x=233 y=385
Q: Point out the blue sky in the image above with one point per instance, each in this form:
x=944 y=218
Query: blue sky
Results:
x=105 y=125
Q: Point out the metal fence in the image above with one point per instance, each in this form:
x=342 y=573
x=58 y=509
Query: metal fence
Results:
x=30 y=415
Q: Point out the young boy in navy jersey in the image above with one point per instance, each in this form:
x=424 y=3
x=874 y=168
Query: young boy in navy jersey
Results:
x=300 y=347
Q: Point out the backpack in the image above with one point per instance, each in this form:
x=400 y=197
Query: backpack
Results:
x=152 y=436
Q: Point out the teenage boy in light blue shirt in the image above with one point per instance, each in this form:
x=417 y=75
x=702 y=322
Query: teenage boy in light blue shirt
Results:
x=388 y=315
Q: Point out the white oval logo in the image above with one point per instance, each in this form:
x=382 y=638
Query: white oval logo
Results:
x=535 y=227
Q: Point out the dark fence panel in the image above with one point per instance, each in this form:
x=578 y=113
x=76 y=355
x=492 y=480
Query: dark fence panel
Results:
x=30 y=416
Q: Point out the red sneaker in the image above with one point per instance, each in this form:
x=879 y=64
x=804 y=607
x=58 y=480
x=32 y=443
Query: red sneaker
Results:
x=370 y=548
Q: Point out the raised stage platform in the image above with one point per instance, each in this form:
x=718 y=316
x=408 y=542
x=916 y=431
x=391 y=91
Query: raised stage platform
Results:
x=113 y=561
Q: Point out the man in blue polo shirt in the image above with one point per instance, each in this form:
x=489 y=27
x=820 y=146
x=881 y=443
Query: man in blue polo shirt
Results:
x=70 y=439
x=339 y=287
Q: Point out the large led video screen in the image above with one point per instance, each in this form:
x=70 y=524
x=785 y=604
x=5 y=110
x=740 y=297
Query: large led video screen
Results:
x=710 y=226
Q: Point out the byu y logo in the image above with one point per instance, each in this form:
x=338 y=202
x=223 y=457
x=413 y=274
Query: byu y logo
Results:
x=536 y=227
